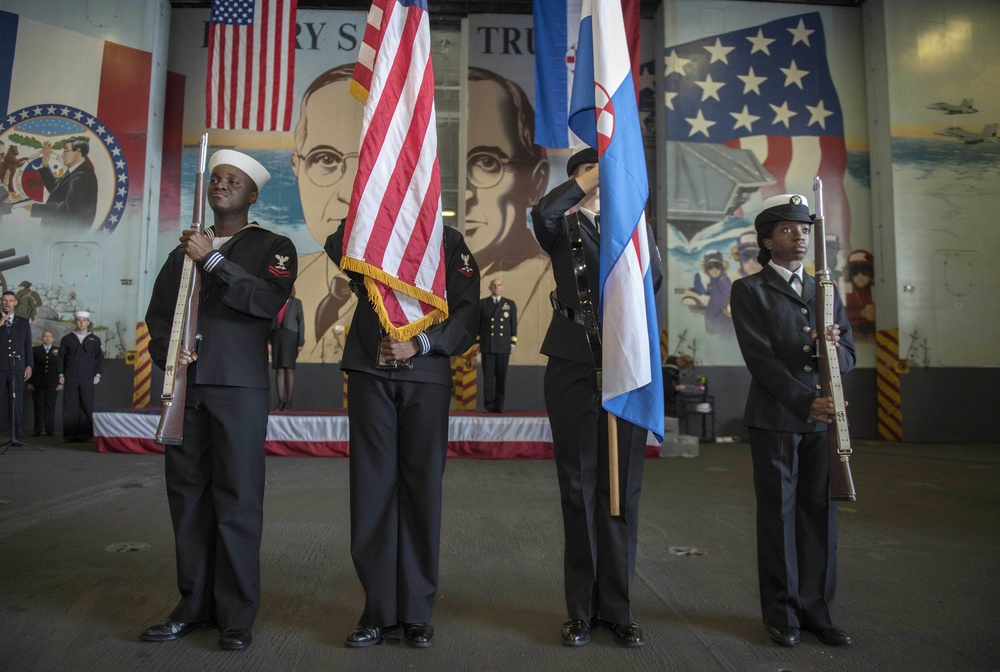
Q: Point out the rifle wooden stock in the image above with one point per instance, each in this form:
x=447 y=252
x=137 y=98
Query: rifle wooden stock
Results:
x=183 y=330
x=841 y=486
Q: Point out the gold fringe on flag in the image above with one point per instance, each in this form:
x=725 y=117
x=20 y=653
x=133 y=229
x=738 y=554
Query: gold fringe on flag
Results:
x=373 y=276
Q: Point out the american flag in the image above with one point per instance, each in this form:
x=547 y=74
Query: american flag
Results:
x=605 y=115
x=251 y=64
x=394 y=227
x=767 y=89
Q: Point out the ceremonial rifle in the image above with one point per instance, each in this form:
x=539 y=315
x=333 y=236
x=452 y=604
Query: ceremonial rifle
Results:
x=183 y=330
x=841 y=486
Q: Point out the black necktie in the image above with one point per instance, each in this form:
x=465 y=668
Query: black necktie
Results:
x=796 y=284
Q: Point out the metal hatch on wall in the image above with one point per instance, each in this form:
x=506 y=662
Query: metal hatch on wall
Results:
x=76 y=270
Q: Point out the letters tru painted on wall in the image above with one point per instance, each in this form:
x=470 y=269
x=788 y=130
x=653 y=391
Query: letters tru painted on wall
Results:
x=506 y=40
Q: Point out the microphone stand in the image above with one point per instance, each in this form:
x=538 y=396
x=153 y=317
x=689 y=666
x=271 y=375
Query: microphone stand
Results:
x=13 y=357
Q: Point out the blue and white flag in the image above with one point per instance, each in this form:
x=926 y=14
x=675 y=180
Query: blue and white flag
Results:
x=605 y=116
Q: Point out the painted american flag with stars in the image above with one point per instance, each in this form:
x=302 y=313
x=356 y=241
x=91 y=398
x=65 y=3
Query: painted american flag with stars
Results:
x=768 y=89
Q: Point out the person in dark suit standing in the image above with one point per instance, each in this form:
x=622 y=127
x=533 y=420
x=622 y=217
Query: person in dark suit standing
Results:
x=16 y=362
x=497 y=339
x=73 y=197
x=81 y=363
x=215 y=478
x=774 y=314
x=398 y=422
x=288 y=335
x=44 y=384
x=600 y=553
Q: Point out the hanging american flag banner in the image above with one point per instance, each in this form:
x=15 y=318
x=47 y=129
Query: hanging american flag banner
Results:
x=767 y=89
x=251 y=65
x=394 y=227
x=604 y=113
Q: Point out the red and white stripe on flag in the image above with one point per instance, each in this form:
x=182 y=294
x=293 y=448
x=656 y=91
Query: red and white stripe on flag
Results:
x=394 y=229
x=785 y=157
x=251 y=65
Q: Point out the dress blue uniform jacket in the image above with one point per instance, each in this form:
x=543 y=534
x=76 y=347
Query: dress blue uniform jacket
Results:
x=48 y=366
x=237 y=305
x=16 y=355
x=774 y=327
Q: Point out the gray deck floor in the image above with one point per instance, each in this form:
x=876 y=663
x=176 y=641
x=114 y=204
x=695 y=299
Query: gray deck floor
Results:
x=919 y=568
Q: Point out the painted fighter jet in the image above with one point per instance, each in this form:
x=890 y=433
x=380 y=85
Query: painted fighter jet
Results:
x=989 y=132
x=965 y=107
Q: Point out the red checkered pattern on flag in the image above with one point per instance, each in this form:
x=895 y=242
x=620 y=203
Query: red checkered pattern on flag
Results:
x=394 y=227
x=251 y=65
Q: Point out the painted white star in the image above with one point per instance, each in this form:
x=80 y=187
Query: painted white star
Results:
x=101 y=130
x=818 y=115
x=647 y=80
x=121 y=164
x=699 y=124
x=801 y=34
x=709 y=88
x=782 y=114
x=793 y=75
x=669 y=99
x=760 y=43
x=751 y=82
x=11 y=120
x=90 y=121
x=122 y=191
x=124 y=178
x=78 y=115
x=38 y=111
x=744 y=119
x=51 y=109
x=719 y=52
x=118 y=205
x=25 y=114
x=65 y=111
x=116 y=151
x=113 y=219
x=108 y=140
x=675 y=63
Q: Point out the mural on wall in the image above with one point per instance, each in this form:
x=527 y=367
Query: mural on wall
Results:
x=750 y=113
x=72 y=155
x=944 y=109
x=507 y=173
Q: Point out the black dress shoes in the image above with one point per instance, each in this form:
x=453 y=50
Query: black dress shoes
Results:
x=575 y=633
x=418 y=635
x=168 y=631
x=363 y=635
x=833 y=636
x=235 y=639
x=628 y=635
x=783 y=636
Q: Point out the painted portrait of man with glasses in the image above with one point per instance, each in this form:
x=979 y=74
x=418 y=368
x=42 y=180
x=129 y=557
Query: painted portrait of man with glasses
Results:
x=506 y=174
x=325 y=162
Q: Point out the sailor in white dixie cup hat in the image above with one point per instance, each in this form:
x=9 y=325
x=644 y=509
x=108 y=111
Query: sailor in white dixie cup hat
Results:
x=82 y=363
x=249 y=165
x=215 y=478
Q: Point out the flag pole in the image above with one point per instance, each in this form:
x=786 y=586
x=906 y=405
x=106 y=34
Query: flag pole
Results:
x=614 y=495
